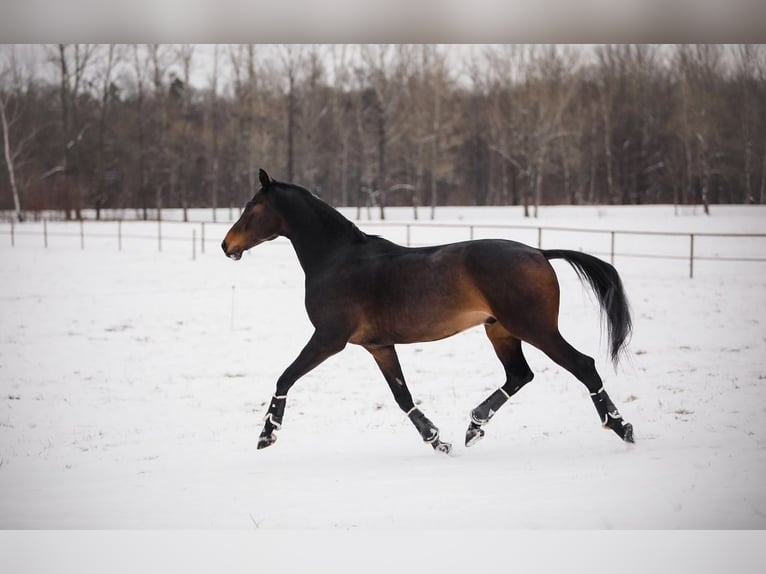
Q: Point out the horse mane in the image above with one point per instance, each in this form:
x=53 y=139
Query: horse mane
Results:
x=328 y=216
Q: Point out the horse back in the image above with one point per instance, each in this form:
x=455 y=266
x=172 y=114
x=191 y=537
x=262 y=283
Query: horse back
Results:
x=386 y=294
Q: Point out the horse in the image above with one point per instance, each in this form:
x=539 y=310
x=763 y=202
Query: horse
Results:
x=365 y=290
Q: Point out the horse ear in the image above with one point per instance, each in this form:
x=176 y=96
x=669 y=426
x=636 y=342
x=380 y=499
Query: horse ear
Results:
x=264 y=178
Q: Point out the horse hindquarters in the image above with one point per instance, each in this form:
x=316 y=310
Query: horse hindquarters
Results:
x=524 y=299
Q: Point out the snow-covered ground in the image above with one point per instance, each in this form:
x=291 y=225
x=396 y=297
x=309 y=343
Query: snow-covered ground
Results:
x=133 y=385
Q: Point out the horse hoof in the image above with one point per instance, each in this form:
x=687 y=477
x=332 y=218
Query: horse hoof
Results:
x=444 y=447
x=628 y=433
x=473 y=435
x=268 y=440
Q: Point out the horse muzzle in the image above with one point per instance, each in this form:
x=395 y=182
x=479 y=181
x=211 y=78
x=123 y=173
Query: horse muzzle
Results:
x=235 y=254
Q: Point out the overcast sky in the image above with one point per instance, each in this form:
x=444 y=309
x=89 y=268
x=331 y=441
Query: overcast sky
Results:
x=37 y=58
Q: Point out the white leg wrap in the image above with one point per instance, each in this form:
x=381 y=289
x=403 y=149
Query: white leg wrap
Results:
x=270 y=418
x=615 y=415
x=435 y=437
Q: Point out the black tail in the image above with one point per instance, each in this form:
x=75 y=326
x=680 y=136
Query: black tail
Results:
x=607 y=285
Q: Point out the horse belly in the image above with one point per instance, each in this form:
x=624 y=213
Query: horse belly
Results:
x=420 y=319
x=448 y=326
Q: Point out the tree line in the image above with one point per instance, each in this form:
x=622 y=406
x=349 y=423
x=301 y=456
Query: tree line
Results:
x=133 y=127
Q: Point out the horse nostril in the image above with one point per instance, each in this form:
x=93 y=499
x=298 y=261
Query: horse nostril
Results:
x=223 y=246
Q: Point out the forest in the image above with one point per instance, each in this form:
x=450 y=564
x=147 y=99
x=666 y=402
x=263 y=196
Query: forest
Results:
x=147 y=127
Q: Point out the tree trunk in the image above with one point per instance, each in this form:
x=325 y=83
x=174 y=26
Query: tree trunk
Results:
x=182 y=177
x=343 y=170
x=610 y=186
x=567 y=174
x=163 y=172
x=763 y=178
x=142 y=183
x=686 y=189
x=381 y=156
x=9 y=161
x=100 y=195
x=435 y=152
x=290 y=126
x=214 y=129
x=539 y=182
x=64 y=96
x=704 y=177
x=249 y=136
x=593 y=189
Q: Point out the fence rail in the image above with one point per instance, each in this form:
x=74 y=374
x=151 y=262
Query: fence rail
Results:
x=96 y=229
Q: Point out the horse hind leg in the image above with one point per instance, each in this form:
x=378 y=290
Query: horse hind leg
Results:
x=517 y=374
x=388 y=362
x=584 y=368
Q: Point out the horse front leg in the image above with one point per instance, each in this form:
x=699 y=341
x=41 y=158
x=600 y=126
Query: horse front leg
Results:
x=317 y=350
x=388 y=362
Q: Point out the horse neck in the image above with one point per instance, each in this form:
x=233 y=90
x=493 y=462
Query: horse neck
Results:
x=315 y=232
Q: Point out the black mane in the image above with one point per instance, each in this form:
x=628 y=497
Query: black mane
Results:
x=293 y=199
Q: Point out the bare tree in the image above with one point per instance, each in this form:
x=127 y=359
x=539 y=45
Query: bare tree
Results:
x=749 y=60
x=213 y=120
x=181 y=90
x=291 y=56
x=509 y=122
x=104 y=75
x=340 y=102
x=159 y=59
x=243 y=62
x=608 y=80
x=533 y=125
x=15 y=145
x=699 y=68
x=314 y=106
x=481 y=126
x=436 y=84
x=141 y=69
x=552 y=69
x=378 y=61
x=9 y=154
x=73 y=62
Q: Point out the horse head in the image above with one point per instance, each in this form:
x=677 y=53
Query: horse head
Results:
x=259 y=222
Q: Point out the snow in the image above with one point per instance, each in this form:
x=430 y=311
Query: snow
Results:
x=133 y=385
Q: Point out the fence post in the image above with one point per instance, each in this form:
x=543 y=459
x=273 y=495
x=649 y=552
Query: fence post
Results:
x=407 y=227
x=194 y=244
x=691 y=256
x=119 y=235
x=45 y=232
x=202 y=239
x=13 y=238
x=470 y=228
x=611 y=253
x=539 y=237
x=82 y=234
x=159 y=235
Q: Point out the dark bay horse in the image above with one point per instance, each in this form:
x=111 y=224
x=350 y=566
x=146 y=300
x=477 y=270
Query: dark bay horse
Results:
x=365 y=290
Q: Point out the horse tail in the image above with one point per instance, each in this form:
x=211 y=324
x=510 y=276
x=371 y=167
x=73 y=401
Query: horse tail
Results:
x=607 y=285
